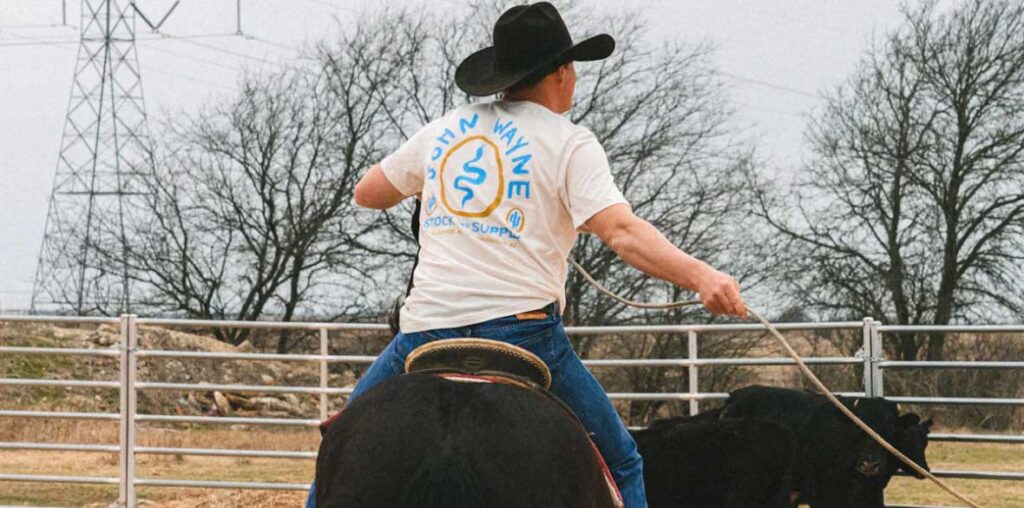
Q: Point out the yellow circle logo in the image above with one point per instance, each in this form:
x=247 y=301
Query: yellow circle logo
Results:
x=467 y=177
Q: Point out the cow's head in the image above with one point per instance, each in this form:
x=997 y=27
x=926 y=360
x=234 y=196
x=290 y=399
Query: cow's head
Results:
x=911 y=438
x=883 y=417
x=871 y=457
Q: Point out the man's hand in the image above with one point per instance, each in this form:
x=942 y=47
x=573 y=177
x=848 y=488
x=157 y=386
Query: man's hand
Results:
x=720 y=294
x=642 y=246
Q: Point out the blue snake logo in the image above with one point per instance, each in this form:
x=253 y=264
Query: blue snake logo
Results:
x=461 y=182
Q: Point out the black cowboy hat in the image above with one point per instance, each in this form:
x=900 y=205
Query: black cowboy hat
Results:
x=528 y=39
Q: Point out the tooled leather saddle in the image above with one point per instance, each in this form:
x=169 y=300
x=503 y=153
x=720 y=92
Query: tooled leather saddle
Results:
x=479 y=357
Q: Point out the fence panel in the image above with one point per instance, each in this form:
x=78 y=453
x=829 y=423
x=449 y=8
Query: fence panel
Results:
x=871 y=357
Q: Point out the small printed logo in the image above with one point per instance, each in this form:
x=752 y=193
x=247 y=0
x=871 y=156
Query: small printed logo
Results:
x=516 y=219
x=431 y=204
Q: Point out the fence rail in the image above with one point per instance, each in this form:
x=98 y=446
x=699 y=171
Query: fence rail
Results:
x=127 y=351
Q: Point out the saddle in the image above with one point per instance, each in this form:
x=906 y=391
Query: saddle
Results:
x=479 y=357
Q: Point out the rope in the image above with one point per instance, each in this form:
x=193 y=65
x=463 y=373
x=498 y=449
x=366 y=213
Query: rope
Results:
x=608 y=292
x=806 y=372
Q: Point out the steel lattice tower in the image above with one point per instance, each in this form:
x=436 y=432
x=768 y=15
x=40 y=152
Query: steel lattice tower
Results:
x=105 y=159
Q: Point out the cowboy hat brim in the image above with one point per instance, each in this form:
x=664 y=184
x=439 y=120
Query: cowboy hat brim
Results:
x=477 y=75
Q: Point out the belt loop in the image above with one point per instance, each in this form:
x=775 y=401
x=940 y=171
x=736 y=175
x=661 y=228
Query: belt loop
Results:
x=552 y=309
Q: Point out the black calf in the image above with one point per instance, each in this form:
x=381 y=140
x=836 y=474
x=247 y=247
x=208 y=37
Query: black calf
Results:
x=704 y=462
x=838 y=465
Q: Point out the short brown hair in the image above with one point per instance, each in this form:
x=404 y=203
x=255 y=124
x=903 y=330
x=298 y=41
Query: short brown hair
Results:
x=538 y=75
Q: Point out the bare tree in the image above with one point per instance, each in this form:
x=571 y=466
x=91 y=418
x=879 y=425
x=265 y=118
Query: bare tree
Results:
x=913 y=205
x=253 y=213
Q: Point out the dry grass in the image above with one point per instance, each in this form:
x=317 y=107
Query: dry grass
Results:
x=959 y=456
x=154 y=466
x=905 y=490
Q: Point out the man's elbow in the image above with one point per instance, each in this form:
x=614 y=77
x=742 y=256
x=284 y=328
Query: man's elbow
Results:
x=619 y=238
x=361 y=196
x=367 y=198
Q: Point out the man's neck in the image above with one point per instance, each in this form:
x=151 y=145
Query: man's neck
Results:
x=536 y=96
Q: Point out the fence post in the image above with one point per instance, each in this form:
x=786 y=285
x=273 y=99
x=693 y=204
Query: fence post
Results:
x=877 y=355
x=127 y=409
x=122 y=452
x=323 y=374
x=133 y=343
x=868 y=355
x=691 y=348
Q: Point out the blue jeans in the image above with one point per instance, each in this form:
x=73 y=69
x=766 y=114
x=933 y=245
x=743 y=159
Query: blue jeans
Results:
x=571 y=382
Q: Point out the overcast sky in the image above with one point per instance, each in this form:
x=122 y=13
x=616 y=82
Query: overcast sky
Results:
x=776 y=56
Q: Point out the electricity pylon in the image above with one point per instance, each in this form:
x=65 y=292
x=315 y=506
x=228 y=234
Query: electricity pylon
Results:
x=104 y=162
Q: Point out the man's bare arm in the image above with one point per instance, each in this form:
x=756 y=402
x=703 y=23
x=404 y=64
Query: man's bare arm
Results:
x=641 y=245
x=374 y=190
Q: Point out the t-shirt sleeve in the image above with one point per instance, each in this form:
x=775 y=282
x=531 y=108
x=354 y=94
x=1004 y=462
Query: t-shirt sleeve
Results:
x=589 y=187
x=405 y=167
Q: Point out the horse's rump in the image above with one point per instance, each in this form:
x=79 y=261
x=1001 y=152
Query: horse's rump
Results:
x=423 y=441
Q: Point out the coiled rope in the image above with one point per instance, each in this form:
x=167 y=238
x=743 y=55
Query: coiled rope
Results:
x=803 y=368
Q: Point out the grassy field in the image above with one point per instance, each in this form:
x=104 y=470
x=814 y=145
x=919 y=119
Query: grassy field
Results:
x=903 y=490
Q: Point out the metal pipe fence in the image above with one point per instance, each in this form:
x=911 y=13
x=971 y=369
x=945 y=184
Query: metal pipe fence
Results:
x=870 y=358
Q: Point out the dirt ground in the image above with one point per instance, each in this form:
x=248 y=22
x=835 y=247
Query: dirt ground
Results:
x=903 y=490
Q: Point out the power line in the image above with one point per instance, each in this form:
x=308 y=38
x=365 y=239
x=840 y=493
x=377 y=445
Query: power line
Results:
x=766 y=84
x=177 y=75
x=29 y=26
x=272 y=43
x=27 y=38
x=795 y=114
x=324 y=3
x=53 y=42
x=23 y=41
x=194 y=58
x=222 y=50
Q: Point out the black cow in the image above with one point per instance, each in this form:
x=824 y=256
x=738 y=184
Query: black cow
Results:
x=837 y=465
x=426 y=442
x=705 y=462
x=911 y=439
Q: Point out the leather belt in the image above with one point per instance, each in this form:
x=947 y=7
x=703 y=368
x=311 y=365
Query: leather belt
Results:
x=549 y=310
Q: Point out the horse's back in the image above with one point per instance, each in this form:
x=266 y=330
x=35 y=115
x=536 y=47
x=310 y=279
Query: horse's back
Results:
x=427 y=442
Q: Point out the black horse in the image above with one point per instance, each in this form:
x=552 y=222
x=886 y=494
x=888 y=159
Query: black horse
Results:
x=425 y=441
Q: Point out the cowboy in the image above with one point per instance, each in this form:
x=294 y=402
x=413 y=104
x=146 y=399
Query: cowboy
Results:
x=505 y=185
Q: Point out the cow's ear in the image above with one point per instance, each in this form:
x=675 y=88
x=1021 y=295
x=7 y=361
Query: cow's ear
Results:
x=909 y=420
x=927 y=423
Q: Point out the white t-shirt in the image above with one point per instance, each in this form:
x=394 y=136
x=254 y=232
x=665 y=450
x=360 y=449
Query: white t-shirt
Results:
x=504 y=187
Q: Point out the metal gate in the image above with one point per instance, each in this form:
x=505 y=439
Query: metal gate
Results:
x=128 y=352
